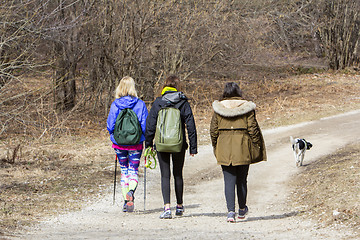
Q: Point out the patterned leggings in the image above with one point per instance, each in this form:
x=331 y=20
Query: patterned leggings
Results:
x=129 y=161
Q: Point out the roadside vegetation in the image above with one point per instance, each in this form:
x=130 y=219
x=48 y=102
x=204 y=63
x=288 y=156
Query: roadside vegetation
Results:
x=330 y=189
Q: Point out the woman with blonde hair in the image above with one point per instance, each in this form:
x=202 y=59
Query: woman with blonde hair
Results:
x=128 y=155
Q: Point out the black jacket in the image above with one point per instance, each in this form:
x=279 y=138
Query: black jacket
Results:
x=187 y=119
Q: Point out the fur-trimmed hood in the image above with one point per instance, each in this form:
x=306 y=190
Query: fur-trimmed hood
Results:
x=235 y=133
x=233 y=107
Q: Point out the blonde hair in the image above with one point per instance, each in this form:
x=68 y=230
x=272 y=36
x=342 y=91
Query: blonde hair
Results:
x=126 y=87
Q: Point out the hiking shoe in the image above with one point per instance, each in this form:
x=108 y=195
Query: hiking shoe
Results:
x=243 y=212
x=179 y=211
x=166 y=214
x=124 y=209
x=231 y=217
x=130 y=201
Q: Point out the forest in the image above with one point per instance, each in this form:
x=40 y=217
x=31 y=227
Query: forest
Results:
x=63 y=57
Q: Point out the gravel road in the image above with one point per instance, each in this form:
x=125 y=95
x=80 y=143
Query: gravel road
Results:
x=271 y=215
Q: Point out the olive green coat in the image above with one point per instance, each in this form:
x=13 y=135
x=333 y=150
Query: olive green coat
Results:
x=233 y=129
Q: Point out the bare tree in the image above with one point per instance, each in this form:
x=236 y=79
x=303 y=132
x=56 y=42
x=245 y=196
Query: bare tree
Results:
x=17 y=39
x=117 y=45
x=19 y=35
x=65 y=20
x=340 y=32
x=330 y=28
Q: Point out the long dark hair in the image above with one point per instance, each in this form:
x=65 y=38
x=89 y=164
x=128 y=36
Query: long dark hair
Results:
x=231 y=89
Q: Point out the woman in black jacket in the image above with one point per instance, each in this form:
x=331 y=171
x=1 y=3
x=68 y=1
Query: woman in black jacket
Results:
x=171 y=95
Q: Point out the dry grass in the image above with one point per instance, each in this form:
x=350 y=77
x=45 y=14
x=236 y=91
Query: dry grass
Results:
x=50 y=174
x=52 y=178
x=283 y=101
x=332 y=191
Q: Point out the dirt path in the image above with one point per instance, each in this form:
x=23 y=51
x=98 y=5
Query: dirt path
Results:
x=271 y=214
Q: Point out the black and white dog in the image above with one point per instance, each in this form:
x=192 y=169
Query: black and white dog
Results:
x=299 y=146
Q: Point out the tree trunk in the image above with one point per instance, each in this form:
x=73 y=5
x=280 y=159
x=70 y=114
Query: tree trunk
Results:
x=341 y=32
x=64 y=79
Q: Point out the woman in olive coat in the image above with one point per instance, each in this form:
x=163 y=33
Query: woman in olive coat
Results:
x=234 y=132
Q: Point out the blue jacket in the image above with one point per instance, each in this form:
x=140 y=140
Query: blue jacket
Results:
x=137 y=105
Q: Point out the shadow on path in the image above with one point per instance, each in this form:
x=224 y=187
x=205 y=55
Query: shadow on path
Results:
x=159 y=210
x=249 y=219
x=272 y=217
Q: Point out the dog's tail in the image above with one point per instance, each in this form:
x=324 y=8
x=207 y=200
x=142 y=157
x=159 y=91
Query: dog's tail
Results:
x=292 y=140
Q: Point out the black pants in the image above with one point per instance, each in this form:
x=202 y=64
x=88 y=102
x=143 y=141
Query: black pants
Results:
x=235 y=176
x=178 y=164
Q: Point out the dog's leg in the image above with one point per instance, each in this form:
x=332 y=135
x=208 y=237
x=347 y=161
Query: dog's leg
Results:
x=298 y=158
x=302 y=156
x=295 y=156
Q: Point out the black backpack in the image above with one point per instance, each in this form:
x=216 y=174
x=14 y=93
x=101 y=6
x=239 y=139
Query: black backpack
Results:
x=127 y=128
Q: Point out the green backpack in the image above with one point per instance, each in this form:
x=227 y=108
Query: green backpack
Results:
x=169 y=133
x=127 y=128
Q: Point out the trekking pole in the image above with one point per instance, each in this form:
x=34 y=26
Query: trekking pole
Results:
x=149 y=152
x=115 y=180
x=145 y=186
